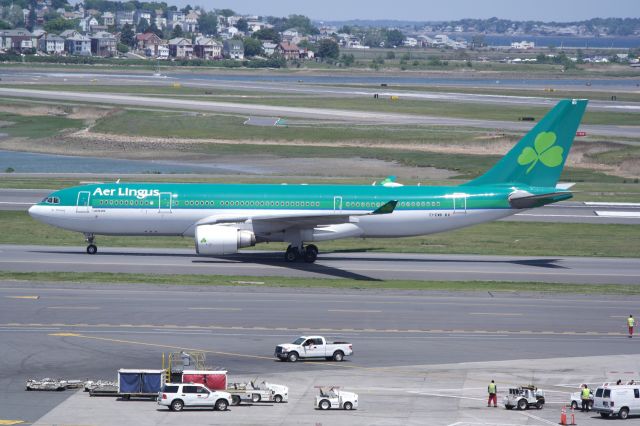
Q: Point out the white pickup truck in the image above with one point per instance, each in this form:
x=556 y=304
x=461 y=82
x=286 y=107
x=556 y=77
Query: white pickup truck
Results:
x=313 y=347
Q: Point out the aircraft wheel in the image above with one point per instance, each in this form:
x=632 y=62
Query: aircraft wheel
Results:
x=92 y=249
x=291 y=255
x=310 y=253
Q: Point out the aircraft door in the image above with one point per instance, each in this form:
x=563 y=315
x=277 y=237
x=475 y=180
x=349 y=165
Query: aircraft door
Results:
x=459 y=203
x=82 y=205
x=164 y=202
x=337 y=204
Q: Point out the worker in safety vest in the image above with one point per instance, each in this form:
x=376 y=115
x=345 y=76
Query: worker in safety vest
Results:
x=493 y=394
x=585 y=395
x=631 y=323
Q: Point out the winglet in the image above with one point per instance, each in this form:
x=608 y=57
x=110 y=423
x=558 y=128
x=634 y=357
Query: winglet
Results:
x=386 y=208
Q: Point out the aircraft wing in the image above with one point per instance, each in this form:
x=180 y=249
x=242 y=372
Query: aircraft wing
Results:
x=301 y=220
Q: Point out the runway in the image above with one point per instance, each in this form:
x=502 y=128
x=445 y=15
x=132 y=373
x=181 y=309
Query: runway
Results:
x=80 y=330
x=562 y=212
x=302 y=87
x=355 y=266
x=298 y=112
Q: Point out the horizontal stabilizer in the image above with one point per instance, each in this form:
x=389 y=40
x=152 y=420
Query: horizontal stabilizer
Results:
x=564 y=185
x=525 y=200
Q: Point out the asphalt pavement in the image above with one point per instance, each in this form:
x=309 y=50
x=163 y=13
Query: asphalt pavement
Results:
x=407 y=344
x=361 y=266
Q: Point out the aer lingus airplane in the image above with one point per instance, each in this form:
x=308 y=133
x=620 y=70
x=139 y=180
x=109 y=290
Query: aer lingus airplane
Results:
x=223 y=218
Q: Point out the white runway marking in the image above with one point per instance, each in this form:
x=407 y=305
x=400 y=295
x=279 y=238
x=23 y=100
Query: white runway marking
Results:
x=602 y=204
x=618 y=214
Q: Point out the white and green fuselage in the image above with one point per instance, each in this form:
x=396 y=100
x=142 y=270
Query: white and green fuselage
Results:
x=225 y=217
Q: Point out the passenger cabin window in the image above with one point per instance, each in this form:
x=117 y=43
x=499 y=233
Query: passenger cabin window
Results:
x=599 y=392
x=607 y=393
x=190 y=389
x=636 y=393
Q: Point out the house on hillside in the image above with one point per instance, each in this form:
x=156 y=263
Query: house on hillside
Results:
x=87 y=23
x=163 y=52
x=103 y=44
x=18 y=40
x=108 y=19
x=124 y=17
x=78 y=44
x=288 y=51
x=148 y=42
x=207 y=48
x=51 y=44
x=180 y=47
x=233 y=49
x=269 y=48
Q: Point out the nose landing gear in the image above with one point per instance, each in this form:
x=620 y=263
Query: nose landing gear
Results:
x=309 y=253
x=91 y=248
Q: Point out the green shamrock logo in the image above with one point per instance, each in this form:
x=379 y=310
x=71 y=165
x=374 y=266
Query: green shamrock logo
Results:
x=203 y=241
x=549 y=155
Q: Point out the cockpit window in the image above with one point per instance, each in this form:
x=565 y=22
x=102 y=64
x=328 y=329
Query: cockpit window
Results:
x=51 y=200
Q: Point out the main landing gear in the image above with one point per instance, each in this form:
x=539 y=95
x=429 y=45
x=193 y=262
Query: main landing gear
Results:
x=309 y=253
x=91 y=248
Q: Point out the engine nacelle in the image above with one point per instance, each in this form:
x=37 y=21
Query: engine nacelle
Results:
x=218 y=239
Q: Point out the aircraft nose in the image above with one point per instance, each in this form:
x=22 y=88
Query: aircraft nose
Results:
x=36 y=212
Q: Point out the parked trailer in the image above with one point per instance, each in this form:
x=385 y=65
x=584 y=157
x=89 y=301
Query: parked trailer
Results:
x=213 y=379
x=140 y=383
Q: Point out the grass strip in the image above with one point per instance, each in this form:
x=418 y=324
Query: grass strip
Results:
x=234 y=280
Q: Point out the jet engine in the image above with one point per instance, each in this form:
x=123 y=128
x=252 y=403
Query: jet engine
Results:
x=218 y=239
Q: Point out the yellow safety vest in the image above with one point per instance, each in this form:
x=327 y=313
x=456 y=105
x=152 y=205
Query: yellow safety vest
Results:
x=631 y=322
x=492 y=388
x=585 y=393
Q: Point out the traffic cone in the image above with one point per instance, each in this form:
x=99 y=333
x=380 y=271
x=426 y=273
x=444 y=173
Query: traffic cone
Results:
x=573 y=417
x=563 y=416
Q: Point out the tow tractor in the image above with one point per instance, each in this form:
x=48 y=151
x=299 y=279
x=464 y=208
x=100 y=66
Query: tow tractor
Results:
x=333 y=397
x=524 y=397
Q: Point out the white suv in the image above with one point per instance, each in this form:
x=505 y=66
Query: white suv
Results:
x=176 y=396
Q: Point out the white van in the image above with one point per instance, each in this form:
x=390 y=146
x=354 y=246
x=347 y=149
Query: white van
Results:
x=620 y=400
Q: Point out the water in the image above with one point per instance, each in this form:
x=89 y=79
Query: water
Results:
x=26 y=162
x=568 y=42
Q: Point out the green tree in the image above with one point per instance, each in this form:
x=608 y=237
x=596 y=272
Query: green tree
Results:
x=267 y=34
x=177 y=32
x=302 y=23
x=252 y=47
x=122 y=48
x=59 y=25
x=242 y=25
x=208 y=23
x=127 y=36
x=348 y=60
x=157 y=31
x=143 y=25
x=32 y=17
x=345 y=29
x=15 y=16
x=226 y=12
x=4 y=25
x=394 y=38
x=328 y=49
x=391 y=55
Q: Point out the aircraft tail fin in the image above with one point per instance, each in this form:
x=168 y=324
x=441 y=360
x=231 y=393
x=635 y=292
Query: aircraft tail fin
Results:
x=539 y=157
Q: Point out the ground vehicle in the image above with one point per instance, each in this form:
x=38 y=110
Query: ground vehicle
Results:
x=576 y=400
x=333 y=397
x=258 y=392
x=176 y=396
x=313 y=347
x=139 y=383
x=620 y=400
x=524 y=397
